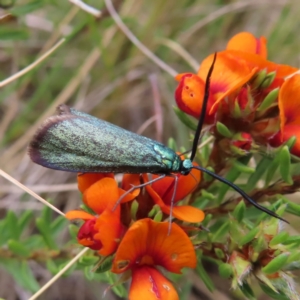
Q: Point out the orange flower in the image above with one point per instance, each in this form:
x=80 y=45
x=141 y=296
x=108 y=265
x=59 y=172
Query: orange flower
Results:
x=256 y=61
x=229 y=75
x=148 y=283
x=162 y=191
x=148 y=244
x=189 y=95
x=100 y=233
x=254 y=51
x=247 y=42
x=85 y=180
x=289 y=107
x=101 y=193
x=244 y=56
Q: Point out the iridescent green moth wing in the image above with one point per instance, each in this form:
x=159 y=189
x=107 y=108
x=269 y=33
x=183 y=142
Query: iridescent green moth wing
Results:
x=77 y=142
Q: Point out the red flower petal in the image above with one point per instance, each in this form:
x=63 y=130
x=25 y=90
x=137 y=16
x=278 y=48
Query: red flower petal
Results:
x=244 y=142
x=149 y=242
x=86 y=235
x=149 y=284
x=247 y=42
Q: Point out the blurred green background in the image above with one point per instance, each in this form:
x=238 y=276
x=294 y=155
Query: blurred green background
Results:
x=98 y=70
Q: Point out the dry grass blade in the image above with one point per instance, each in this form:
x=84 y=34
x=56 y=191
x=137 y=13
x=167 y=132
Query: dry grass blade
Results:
x=61 y=98
x=177 y=48
x=136 y=41
x=59 y=274
x=30 y=192
x=33 y=65
x=89 y=9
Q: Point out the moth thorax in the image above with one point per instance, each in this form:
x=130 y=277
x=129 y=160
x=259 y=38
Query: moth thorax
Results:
x=186 y=166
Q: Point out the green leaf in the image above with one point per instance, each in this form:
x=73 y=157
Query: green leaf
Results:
x=89 y=274
x=221 y=232
x=73 y=230
x=261 y=168
x=59 y=224
x=46 y=215
x=158 y=216
x=207 y=219
x=12 y=225
x=232 y=175
x=185 y=119
x=51 y=266
x=24 y=219
x=4 y=236
x=207 y=177
x=207 y=195
x=225 y=270
x=292 y=207
x=272 y=170
x=272 y=293
x=268 y=80
x=45 y=232
x=8 y=33
x=105 y=265
x=269 y=100
x=172 y=144
x=292 y=240
x=29 y=281
x=21 y=273
x=276 y=264
x=239 y=211
x=219 y=253
x=242 y=168
x=205 y=277
x=237 y=113
x=22 y=10
x=69 y=270
x=18 y=248
x=247 y=291
x=259 y=79
x=120 y=291
x=279 y=238
x=34 y=242
x=223 y=130
x=249 y=236
x=294 y=257
x=290 y=143
x=285 y=165
x=5 y=4
x=87 y=260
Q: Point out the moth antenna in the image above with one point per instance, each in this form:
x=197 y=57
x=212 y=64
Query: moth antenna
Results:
x=203 y=111
x=241 y=192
